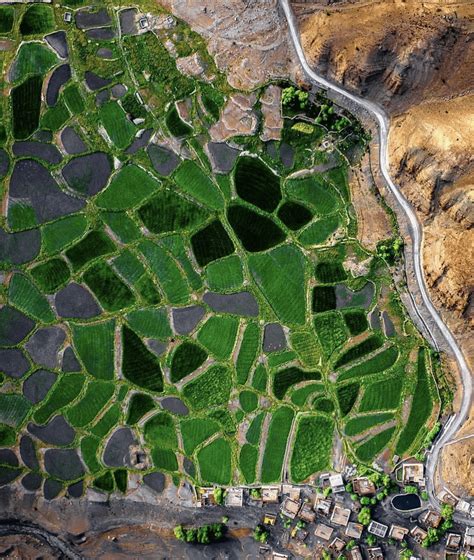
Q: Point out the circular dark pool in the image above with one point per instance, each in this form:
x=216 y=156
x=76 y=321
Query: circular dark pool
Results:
x=406 y=502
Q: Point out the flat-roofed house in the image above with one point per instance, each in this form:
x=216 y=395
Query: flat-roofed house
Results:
x=418 y=533
x=337 y=483
x=323 y=532
x=270 y=494
x=337 y=545
x=354 y=530
x=397 y=532
x=340 y=516
x=363 y=486
x=413 y=472
x=290 y=508
x=430 y=518
x=354 y=554
x=307 y=513
x=377 y=529
x=453 y=541
x=375 y=553
x=234 y=497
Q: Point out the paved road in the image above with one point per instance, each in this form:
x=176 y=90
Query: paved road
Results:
x=416 y=236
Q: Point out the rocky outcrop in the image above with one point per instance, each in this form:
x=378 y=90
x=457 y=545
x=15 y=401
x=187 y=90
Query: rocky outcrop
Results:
x=247 y=39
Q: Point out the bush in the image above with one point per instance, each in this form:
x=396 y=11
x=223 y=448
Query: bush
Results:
x=411 y=490
x=201 y=535
x=364 y=516
x=260 y=534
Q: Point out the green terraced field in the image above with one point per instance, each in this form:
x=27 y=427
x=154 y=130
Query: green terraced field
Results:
x=181 y=293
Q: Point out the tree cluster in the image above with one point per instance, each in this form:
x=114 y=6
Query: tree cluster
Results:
x=261 y=533
x=201 y=535
x=294 y=98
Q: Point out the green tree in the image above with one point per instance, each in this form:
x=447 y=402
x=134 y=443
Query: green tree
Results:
x=371 y=540
x=365 y=501
x=261 y=534
x=364 y=516
x=219 y=495
x=179 y=533
x=410 y=489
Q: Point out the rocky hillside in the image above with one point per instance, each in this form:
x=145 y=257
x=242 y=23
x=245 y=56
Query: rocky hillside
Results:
x=417 y=60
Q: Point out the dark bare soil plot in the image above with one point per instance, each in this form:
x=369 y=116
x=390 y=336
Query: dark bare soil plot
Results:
x=141 y=141
x=72 y=142
x=95 y=82
x=87 y=175
x=60 y=76
x=19 y=247
x=116 y=452
x=58 y=42
x=223 y=156
x=348 y=298
x=69 y=361
x=88 y=17
x=164 y=161
x=240 y=303
x=14 y=326
x=31 y=181
x=28 y=453
x=41 y=150
x=13 y=362
x=74 y=301
x=186 y=319
x=44 y=345
x=175 y=405
x=127 y=21
x=101 y=34
x=274 y=338
x=32 y=482
x=156 y=481
x=106 y=54
x=56 y=432
x=38 y=384
x=63 y=464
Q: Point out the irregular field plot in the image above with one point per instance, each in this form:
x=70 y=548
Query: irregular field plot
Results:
x=168 y=211
x=315 y=192
x=127 y=189
x=300 y=396
x=383 y=395
x=95 y=244
x=375 y=445
x=196 y=430
x=255 y=232
x=280 y=276
x=139 y=365
x=360 y=424
x=139 y=405
x=160 y=431
x=331 y=331
x=215 y=462
x=186 y=359
x=257 y=184
x=112 y=293
x=218 y=335
x=211 y=388
x=65 y=391
x=368 y=345
x=192 y=180
x=225 y=274
x=95 y=346
x=421 y=406
x=211 y=243
x=278 y=432
x=248 y=462
x=247 y=352
x=96 y=396
x=378 y=363
x=312 y=447
x=286 y=378
x=118 y=127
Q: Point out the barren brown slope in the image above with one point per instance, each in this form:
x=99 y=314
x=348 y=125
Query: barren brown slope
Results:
x=417 y=60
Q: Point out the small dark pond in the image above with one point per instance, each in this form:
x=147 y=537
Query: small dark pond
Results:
x=406 y=502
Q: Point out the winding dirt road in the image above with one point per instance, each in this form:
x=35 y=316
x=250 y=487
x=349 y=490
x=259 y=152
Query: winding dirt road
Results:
x=456 y=421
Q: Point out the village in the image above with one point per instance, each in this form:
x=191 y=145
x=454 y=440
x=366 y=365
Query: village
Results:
x=348 y=516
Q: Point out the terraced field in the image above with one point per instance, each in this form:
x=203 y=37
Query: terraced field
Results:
x=171 y=302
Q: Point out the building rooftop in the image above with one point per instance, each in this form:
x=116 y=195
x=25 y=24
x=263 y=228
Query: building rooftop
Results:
x=269 y=519
x=323 y=532
x=363 y=486
x=397 y=532
x=270 y=494
x=340 y=515
x=354 y=530
x=337 y=545
x=234 y=497
x=453 y=541
x=378 y=529
x=418 y=533
x=323 y=506
x=375 y=553
x=430 y=518
x=355 y=554
x=337 y=483
x=290 y=508
x=413 y=471
x=306 y=513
